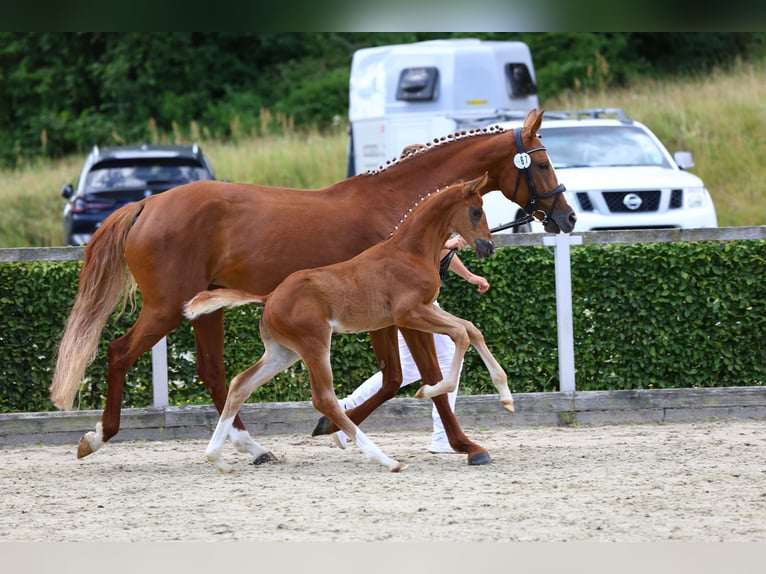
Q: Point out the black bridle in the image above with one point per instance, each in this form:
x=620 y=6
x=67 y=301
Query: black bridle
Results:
x=523 y=161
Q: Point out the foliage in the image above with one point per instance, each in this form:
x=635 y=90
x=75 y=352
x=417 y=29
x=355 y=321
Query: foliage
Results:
x=645 y=316
x=61 y=93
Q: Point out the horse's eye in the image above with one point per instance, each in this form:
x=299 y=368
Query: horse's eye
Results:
x=475 y=214
x=544 y=165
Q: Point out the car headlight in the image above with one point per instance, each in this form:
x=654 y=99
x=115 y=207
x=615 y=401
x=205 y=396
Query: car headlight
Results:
x=695 y=197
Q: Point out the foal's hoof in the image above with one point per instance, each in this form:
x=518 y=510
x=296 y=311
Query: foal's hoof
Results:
x=264 y=458
x=323 y=426
x=508 y=405
x=479 y=459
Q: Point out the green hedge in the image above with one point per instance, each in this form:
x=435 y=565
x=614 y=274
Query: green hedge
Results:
x=645 y=316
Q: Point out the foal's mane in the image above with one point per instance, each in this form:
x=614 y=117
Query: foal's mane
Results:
x=440 y=142
x=420 y=201
x=418 y=205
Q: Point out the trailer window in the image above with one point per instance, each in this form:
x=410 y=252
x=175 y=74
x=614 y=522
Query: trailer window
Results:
x=519 y=80
x=418 y=84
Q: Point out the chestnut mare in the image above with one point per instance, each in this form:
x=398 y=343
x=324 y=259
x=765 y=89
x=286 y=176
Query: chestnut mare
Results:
x=394 y=282
x=212 y=234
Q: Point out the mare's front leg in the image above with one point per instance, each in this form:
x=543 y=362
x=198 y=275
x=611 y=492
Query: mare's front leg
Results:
x=417 y=341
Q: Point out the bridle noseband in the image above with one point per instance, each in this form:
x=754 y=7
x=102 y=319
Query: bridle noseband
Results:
x=523 y=161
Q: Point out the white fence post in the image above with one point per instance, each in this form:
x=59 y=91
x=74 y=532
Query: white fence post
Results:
x=160 y=373
x=561 y=243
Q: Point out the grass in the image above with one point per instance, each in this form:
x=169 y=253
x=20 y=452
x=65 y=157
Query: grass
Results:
x=720 y=117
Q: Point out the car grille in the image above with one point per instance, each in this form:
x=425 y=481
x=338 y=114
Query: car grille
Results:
x=615 y=201
x=676 y=198
x=584 y=200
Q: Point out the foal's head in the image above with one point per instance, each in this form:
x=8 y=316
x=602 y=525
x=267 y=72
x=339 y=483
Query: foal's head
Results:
x=533 y=181
x=469 y=220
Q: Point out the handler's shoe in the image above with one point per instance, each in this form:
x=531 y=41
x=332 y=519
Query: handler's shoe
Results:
x=340 y=439
x=440 y=444
x=441 y=448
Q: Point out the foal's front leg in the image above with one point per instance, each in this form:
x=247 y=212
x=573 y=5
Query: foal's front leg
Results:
x=430 y=374
x=496 y=372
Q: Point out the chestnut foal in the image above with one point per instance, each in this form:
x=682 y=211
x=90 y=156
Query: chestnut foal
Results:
x=392 y=283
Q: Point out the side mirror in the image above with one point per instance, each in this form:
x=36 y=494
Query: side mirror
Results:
x=67 y=190
x=684 y=159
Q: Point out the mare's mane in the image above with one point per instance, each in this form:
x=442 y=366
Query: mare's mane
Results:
x=416 y=151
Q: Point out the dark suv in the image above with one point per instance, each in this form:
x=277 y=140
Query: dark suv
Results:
x=115 y=176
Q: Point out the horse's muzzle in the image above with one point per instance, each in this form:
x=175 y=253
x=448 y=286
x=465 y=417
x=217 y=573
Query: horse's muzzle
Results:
x=484 y=248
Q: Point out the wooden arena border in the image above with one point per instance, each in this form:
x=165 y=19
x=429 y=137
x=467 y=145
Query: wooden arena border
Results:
x=582 y=408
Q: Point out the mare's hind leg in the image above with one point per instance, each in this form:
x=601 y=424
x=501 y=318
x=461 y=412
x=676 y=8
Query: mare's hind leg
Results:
x=275 y=359
x=122 y=353
x=209 y=338
x=431 y=375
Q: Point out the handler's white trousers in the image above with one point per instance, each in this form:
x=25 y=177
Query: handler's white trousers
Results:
x=445 y=349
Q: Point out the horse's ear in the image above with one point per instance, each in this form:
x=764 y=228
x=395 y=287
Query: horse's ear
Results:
x=476 y=185
x=533 y=121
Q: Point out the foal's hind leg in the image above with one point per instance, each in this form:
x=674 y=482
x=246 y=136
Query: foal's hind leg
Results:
x=275 y=360
x=326 y=402
x=209 y=338
x=385 y=344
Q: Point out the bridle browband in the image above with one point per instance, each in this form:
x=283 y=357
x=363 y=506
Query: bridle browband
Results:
x=523 y=161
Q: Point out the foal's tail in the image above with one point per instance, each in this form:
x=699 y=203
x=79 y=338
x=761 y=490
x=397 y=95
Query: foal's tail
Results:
x=206 y=302
x=104 y=279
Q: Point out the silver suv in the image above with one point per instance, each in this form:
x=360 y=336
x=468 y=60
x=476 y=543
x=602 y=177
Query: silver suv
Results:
x=619 y=175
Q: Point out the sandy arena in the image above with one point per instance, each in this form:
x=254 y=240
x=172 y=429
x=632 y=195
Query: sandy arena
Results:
x=697 y=482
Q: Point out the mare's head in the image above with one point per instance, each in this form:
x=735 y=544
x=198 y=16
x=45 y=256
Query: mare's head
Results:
x=469 y=220
x=531 y=181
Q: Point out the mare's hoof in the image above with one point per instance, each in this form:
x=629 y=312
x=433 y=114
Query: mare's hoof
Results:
x=479 y=459
x=264 y=458
x=83 y=448
x=323 y=426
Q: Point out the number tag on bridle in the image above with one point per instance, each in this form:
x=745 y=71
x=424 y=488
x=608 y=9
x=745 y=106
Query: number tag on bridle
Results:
x=522 y=160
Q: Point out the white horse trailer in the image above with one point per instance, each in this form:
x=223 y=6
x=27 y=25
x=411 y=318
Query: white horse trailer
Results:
x=407 y=94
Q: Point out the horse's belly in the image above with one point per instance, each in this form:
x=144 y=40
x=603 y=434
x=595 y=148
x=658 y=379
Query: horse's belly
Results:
x=352 y=326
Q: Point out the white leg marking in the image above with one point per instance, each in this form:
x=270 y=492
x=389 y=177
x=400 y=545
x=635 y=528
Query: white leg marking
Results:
x=243 y=442
x=95 y=439
x=372 y=452
x=215 y=446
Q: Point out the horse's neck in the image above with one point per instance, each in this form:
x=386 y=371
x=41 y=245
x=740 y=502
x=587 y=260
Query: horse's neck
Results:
x=463 y=158
x=424 y=232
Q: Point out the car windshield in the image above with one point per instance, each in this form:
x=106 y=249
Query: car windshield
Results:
x=110 y=176
x=601 y=146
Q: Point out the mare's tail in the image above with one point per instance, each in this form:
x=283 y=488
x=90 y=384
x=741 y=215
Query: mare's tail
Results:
x=206 y=302
x=104 y=280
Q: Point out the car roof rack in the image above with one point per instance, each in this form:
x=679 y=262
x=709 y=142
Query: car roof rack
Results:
x=589 y=113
